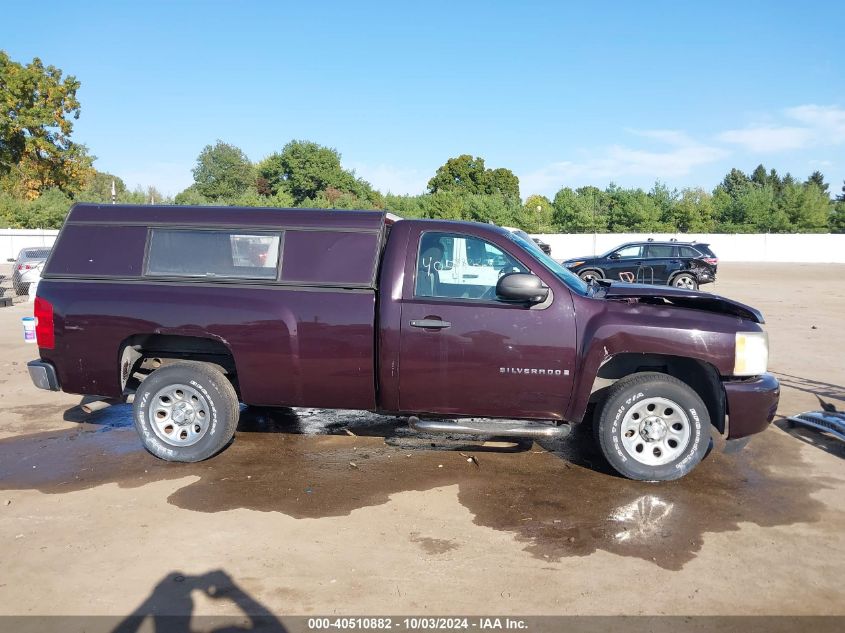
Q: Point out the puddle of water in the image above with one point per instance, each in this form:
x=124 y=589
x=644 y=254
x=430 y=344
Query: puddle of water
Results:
x=559 y=499
x=433 y=546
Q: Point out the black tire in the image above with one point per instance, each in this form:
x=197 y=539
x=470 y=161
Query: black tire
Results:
x=215 y=411
x=684 y=280
x=683 y=409
x=590 y=273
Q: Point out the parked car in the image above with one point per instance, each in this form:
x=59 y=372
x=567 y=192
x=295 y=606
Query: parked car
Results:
x=26 y=264
x=681 y=264
x=443 y=322
x=543 y=245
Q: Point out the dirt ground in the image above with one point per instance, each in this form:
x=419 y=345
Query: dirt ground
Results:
x=310 y=512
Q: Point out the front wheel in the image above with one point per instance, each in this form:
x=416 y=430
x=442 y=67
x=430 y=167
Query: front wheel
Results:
x=186 y=412
x=686 y=281
x=653 y=427
x=589 y=275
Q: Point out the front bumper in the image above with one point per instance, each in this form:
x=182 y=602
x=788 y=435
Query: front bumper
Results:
x=43 y=375
x=751 y=404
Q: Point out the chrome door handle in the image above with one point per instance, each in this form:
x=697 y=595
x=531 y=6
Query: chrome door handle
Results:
x=436 y=324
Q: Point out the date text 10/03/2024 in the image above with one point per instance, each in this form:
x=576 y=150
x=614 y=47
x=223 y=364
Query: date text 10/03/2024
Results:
x=418 y=623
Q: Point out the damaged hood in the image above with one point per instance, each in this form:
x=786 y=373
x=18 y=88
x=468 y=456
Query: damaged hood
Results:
x=679 y=297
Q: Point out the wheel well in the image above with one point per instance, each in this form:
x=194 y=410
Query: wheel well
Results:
x=141 y=354
x=594 y=269
x=689 y=272
x=702 y=377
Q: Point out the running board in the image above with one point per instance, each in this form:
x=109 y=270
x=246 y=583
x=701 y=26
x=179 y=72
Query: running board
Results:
x=499 y=429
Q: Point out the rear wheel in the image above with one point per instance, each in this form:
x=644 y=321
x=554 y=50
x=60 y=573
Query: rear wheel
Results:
x=653 y=427
x=589 y=275
x=686 y=281
x=186 y=412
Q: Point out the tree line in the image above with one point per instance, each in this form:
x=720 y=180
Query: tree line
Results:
x=43 y=171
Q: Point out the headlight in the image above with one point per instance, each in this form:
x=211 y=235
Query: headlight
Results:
x=752 y=353
x=573 y=264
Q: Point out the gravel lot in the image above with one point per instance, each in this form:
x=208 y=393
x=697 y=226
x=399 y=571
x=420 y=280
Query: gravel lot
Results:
x=311 y=512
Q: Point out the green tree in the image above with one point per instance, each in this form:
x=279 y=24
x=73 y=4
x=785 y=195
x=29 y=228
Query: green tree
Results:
x=665 y=200
x=464 y=173
x=837 y=213
x=731 y=199
x=331 y=198
x=444 y=205
x=537 y=214
x=775 y=181
x=504 y=210
x=48 y=211
x=576 y=212
x=37 y=109
x=837 y=217
x=304 y=169
x=817 y=179
x=191 y=196
x=759 y=212
x=806 y=209
x=99 y=186
x=694 y=212
x=814 y=212
x=790 y=202
x=735 y=183
x=222 y=171
x=502 y=181
x=468 y=175
x=759 y=176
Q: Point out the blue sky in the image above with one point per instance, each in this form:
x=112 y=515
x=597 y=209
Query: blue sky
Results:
x=561 y=93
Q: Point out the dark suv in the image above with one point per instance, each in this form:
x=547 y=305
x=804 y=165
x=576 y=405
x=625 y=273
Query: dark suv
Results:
x=681 y=264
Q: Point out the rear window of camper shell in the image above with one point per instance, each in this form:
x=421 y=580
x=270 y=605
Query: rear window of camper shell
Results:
x=232 y=254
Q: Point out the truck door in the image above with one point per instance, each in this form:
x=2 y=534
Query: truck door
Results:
x=465 y=352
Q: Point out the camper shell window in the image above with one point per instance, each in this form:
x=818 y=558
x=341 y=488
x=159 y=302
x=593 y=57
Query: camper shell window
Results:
x=234 y=254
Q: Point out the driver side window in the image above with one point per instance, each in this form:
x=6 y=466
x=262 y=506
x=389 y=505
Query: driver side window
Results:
x=455 y=266
x=630 y=252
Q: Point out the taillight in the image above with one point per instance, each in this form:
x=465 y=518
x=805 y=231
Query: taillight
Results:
x=712 y=260
x=44 y=331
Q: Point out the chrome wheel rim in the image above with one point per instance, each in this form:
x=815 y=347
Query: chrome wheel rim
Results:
x=179 y=415
x=685 y=282
x=588 y=277
x=655 y=431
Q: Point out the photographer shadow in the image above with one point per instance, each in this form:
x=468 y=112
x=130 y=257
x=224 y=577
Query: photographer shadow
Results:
x=170 y=607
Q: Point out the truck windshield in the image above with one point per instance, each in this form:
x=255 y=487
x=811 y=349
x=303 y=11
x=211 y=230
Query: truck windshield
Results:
x=565 y=275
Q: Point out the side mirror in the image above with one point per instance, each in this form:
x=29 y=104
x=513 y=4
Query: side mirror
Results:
x=521 y=287
x=614 y=256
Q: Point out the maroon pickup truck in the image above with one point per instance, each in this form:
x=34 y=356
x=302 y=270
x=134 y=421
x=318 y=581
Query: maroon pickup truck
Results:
x=462 y=327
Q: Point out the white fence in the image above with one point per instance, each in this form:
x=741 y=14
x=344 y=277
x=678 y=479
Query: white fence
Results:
x=13 y=240
x=811 y=248
x=785 y=247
